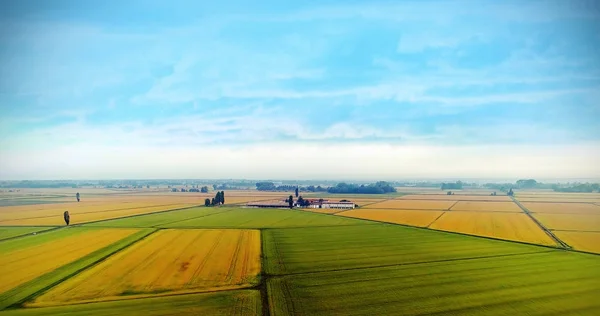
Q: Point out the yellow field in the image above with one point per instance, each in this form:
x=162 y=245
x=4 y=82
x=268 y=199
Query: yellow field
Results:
x=456 y=197
x=510 y=207
x=413 y=205
x=406 y=217
x=55 y=217
x=558 y=199
x=582 y=222
x=23 y=265
x=563 y=208
x=584 y=241
x=168 y=261
x=509 y=226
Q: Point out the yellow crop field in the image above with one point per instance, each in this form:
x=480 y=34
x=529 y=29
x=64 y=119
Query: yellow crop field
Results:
x=584 y=241
x=456 y=197
x=25 y=264
x=559 y=199
x=413 y=205
x=510 y=207
x=509 y=226
x=406 y=217
x=180 y=261
x=582 y=222
x=563 y=208
x=55 y=217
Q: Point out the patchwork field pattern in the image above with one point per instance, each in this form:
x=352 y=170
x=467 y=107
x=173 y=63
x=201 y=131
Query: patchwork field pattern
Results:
x=577 y=222
x=166 y=261
x=509 y=226
x=237 y=302
x=264 y=218
x=413 y=205
x=312 y=249
x=406 y=217
x=156 y=219
x=32 y=256
x=532 y=284
x=487 y=207
x=563 y=208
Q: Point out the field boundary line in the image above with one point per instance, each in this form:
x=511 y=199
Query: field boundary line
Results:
x=12 y=298
x=450 y=208
x=182 y=220
x=263 y=277
x=575 y=230
x=27 y=234
x=540 y=225
x=411 y=263
x=435 y=220
x=135 y=215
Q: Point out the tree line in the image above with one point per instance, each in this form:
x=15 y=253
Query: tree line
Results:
x=380 y=187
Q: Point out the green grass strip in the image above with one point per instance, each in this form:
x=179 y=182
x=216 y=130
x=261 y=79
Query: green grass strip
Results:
x=31 y=289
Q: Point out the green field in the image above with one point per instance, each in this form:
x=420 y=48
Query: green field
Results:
x=241 y=302
x=528 y=284
x=264 y=218
x=10 y=232
x=332 y=248
x=162 y=218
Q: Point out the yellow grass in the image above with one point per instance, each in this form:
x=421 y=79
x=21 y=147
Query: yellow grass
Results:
x=406 y=217
x=168 y=261
x=582 y=222
x=558 y=199
x=456 y=197
x=412 y=205
x=563 y=208
x=509 y=226
x=23 y=265
x=55 y=217
x=487 y=207
x=584 y=241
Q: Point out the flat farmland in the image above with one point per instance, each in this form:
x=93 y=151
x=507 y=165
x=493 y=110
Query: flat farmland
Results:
x=584 y=241
x=264 y=218
x=579 y=222
x=563 y=208
x=30 y=257
x=455 y=197
x=55 y=218
x=549 y=283
x=11 y=232
x=167 y=261
x=318 y=249
x=510 y=207
x=237 y=302
x=162 y=218
x=401 y=204
x=509 y=226
x=406 y=217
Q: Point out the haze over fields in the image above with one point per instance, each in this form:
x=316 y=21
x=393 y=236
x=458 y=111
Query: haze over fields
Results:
x=312 y=90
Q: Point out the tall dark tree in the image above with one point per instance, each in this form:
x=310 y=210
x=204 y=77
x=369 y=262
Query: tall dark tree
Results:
x=510 y=192
x=296 y=192
x=223 y=197
x=77 y=196
x=212 y=202
x=207 y=202
x=67 y=217
x=301 y=201
x=291 y=201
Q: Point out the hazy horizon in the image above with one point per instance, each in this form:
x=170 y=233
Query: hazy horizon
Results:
x=313 y=90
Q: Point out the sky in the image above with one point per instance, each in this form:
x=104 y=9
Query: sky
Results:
x=305 y=90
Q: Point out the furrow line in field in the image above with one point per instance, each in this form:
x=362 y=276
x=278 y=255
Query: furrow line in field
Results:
x=435 y=220
x=544 y=228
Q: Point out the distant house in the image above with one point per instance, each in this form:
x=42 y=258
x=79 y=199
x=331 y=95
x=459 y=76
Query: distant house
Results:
x=321 y=203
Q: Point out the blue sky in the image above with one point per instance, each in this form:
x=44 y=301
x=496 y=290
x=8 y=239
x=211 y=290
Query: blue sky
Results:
x=85 y=89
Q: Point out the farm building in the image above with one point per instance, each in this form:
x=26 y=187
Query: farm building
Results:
x=321 y=203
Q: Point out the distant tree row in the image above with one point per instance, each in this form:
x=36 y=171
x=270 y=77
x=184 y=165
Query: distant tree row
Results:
x=581 y=188
x=380 y=187
x=458 y=185
x=270 y=186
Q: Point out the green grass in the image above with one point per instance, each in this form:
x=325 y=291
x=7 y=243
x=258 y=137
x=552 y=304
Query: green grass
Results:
x=332 y=248
x=30 y=289
x=155 y=219
x=10 y=232
x=552 y=283
x=241 y=302
x=265 y=218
